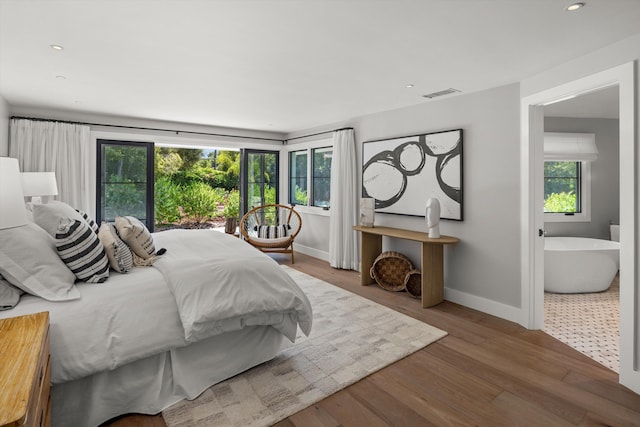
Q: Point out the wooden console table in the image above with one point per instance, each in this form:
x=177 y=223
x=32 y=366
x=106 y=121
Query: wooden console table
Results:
x=432 y=258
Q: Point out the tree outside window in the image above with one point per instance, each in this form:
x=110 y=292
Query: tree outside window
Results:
x=562 y=187
x=298 y=194
x=322 y=176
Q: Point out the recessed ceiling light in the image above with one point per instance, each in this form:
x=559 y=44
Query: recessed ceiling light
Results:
x=61 y=78
x=409 y=85
x=56 y=47
x=575 y=6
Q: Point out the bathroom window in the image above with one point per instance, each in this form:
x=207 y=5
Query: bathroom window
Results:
x=567 y=188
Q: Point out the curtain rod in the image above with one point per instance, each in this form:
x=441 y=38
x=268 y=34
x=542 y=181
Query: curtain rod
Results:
x=316 y=134
x=145 y=128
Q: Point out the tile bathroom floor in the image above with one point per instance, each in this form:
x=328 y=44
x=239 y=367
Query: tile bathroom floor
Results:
x=590 y=323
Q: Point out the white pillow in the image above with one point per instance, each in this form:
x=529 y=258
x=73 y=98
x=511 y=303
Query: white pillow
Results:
x=119 y=254
x=136 y=235
x=81 y=250
x=9 y=295
x=29 y=261
x=49 y=215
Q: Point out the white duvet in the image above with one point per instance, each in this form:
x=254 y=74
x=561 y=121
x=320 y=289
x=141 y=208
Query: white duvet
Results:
x=221 y=283
x=207 y=283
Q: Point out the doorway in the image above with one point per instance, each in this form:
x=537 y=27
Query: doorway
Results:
x=532 y=249
x=581 y=200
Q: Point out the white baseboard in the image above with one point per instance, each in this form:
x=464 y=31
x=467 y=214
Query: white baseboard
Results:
x=485 y=305
x=311 y=252
x=503 y=311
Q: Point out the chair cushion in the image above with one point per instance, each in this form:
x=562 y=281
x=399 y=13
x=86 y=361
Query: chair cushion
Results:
x=272 y=231
x=271 y=241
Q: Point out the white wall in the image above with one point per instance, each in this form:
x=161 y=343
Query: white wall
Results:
x=4 y=128
x=313 y=238
x=483 y=270
x=605 y=181
x=624 y=51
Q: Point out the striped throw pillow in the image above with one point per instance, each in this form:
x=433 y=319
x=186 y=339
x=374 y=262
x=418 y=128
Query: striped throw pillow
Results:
x=272 y=231
x=136 y=235
x=89 y=221
x=118 y=253
x=80 y=249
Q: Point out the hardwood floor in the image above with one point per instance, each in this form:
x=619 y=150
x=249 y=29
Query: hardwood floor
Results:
x=487 y=372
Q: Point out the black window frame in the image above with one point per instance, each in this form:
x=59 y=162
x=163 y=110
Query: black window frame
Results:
x=312 y=178
x=244 y=179
x=149 y=200
x=578 y=184
x=292 y=178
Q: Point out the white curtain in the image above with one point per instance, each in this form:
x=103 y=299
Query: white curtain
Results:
x=343 y=241
x=63 y=148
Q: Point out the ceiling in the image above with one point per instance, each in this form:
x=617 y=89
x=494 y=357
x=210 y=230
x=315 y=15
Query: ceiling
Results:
x=279 y=65
x=601 y=104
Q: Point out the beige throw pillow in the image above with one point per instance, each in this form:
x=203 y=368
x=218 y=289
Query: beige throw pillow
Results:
x=136 y=235
x=119 y=254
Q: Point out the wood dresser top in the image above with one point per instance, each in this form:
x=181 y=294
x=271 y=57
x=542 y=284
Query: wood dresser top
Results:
x=21 y=340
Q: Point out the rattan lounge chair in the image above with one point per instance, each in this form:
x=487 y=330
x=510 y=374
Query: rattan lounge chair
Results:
x=271 y=228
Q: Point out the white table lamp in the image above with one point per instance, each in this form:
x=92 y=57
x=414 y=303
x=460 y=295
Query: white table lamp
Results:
x=38 y=184
x=12 y=210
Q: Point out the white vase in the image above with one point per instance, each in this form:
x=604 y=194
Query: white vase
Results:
x=367 y=211
x=432 y=217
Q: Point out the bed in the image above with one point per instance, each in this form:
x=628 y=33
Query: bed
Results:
x=209 y=308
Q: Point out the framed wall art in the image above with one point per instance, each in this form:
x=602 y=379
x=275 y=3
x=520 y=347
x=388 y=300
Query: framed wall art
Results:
x=402 y=173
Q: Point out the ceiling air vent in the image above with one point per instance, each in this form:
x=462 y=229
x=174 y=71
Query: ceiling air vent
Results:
x=441 y=93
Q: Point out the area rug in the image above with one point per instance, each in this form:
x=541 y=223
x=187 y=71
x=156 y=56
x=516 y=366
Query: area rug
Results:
x=351 y=338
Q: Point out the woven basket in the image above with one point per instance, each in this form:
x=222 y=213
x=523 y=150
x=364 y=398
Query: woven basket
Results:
x=389 y=270
x=413 y=283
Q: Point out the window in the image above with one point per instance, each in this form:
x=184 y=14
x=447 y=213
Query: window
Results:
x=567 y=176
x=322 y=176
x=566 y=191
x=562 y=187
x=298 y=194
x=125 y=181
x=259 y=178
x=310 y=181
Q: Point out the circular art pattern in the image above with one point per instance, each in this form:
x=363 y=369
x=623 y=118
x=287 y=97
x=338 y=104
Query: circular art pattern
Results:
x=384 y=176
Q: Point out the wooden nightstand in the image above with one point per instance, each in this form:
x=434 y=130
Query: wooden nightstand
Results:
x=25 y=374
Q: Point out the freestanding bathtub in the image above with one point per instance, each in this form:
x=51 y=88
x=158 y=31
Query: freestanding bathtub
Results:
x=579 y=265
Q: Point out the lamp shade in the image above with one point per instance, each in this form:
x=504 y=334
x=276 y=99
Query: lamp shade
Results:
x=39 y=184
x=12 y=209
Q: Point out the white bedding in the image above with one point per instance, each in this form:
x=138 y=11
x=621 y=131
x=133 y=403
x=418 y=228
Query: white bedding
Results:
x=220 y=284
x=129 y=317
x=152 y=384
